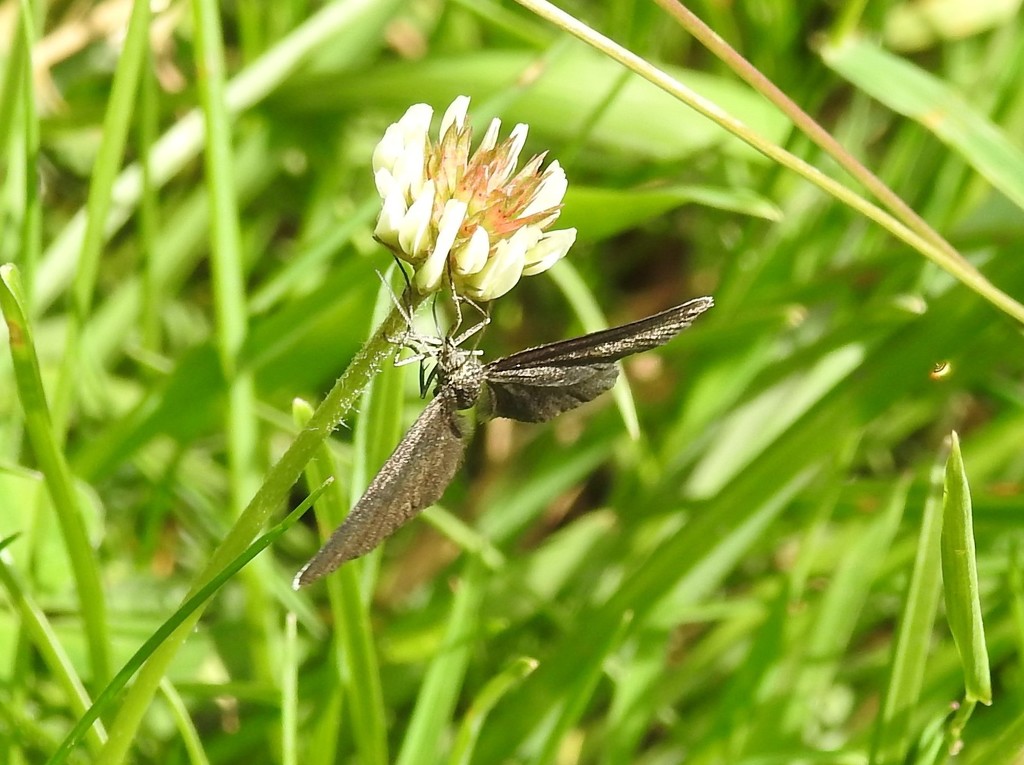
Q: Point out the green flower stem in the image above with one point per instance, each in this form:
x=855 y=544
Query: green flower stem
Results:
x=56 y=473
x=936 y=250
x=268 y=498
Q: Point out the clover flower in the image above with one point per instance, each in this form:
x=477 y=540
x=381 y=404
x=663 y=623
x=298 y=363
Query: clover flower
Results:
x=468 y=220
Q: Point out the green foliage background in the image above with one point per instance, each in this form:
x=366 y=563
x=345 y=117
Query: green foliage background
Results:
x=738 y=558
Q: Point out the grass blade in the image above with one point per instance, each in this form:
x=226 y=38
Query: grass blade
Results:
x=179 y=617
x=893 y=728
x=59 y=482
x=960 y=579
x=440 y=690
x=909 y=90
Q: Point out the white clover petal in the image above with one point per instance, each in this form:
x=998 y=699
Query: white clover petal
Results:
x=410 y=169
x=389 y=148
x=428 y=275
x=415 y=123
x=412 y=233
x=499 y=276
x=551 y=248
x=403 y=149
x=490 y=139
x=472 y=256
x=551 y=191
x=456 y=114
x=505 y=267
x=392 y=212
x=385 y=182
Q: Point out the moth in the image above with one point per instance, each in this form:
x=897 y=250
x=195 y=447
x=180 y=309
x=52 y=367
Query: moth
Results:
x=533 y=385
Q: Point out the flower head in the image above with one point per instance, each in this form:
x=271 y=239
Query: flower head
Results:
x=471 y=220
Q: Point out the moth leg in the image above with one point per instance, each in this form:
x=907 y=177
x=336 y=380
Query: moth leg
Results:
x=485 y=319
x=404 y=309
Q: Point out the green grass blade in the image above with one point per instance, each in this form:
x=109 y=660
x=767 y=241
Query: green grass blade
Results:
x=290 y=693
x=581 y=690
x=118 y=118
x=893 y=728
x=192 y=737
x=46 y=641
x=489 y=695
x=230 y=309
x=836 y=619
x=909 y=90
x=59 y=481
x=184 y=140
x=588 y=310
x=436 y=700
x=120 y=111
x=960 y=579
x=31 y=223
x=1006 y=748
x=187 y=609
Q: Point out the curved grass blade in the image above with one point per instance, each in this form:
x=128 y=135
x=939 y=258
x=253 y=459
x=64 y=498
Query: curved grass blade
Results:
x=960 y=579
x=121 y=679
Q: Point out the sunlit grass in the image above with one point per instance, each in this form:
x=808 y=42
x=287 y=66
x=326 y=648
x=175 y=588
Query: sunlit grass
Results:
x=736 y=559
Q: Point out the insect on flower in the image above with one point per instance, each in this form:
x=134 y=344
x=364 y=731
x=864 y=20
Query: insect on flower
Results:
x=534 y=385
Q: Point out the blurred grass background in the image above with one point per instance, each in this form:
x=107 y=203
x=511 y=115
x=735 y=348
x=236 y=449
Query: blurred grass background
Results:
x=754 y=579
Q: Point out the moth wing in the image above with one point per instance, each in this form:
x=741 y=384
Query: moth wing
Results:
x=413 y=478
x=609 y=344
x=537 y=394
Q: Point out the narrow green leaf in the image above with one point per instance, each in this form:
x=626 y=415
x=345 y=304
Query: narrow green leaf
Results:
x=580 y=691
x=893 y=731
x=168 y=628
x=1006 y=748
x=54 y=466
x=289 y=693
x=960 y=579
x=186 y=727
x=600 y=213
x=440 y=690
x=913 y=92
x=491 y=694
x=46 y=642
x=592 y=318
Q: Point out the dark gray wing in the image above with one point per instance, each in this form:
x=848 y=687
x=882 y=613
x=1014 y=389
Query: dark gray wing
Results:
x=413 y=478
x=609 y=344
x=537 y=394
x=540 y=383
